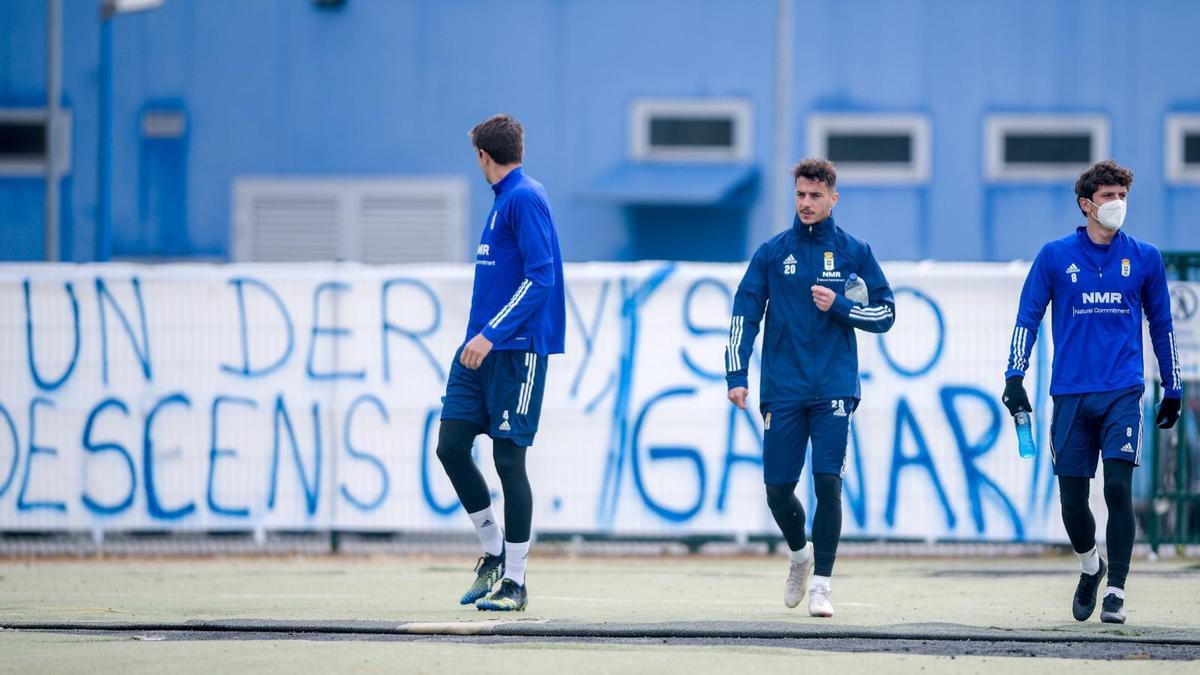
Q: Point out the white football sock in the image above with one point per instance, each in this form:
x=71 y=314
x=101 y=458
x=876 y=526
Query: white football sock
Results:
x=820 y=582
x=488 y=530
x=514 y=561
x=1113 y=590
x=1089 y=562
x=803 y=555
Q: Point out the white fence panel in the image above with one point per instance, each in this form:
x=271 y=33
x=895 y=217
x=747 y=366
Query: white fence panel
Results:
x=306 y=396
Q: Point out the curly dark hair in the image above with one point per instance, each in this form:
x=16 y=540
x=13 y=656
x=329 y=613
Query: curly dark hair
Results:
x=1106 y=172
x=820 y=170
x=502 y=137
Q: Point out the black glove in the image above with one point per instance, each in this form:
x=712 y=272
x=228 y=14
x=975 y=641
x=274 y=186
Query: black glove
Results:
x=1015 y=398
x=1167 y=412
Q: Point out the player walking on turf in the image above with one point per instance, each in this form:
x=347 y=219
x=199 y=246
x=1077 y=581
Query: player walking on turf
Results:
x=498 y=376
x=1099 y=281
x=810 y=385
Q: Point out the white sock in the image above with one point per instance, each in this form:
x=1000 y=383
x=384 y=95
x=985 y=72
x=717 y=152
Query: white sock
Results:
x=820 y=582
x=803 y=555
x=515 y=556
x=1089 y=562
x=1113 y=590
x=488 y=531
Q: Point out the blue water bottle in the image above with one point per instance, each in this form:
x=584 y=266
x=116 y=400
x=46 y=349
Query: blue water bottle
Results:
x=1025 y=444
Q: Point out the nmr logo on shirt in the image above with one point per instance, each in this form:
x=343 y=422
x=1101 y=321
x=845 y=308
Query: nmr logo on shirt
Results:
x=1098 y=298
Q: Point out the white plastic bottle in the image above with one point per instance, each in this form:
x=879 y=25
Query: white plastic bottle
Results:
x=856 y=290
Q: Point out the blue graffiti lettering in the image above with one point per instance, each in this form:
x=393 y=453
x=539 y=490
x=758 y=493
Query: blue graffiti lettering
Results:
x=216 y=452
x=732 y=456
x=939 y=340
x=977 y=481
x=16 y=450
x=663 y=454
x=416 y=335
x=312 y=488
x=245 y=370
x=50 y=385
x=35 y=449
x=334 y=332
x=153 y=504
x=856 y=492
x=143 y=352
x=703 y=331
x=609 y=384
x=633 y=297
x=95 y=448
x=587 y=332
x=921 y=458
x=365 y=504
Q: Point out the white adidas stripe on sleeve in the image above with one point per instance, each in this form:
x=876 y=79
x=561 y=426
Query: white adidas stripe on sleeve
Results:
x=516 y=298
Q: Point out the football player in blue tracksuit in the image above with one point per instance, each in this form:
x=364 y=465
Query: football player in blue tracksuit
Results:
x=496 y=382
x=1099 y=281
x=810 y=382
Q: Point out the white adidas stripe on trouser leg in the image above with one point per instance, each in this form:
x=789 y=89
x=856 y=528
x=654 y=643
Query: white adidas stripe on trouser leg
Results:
x=1137 y=454
x=527 y=387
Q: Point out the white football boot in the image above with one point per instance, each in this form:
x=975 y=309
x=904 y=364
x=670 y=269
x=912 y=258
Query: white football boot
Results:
x=797 y=579
x=818 y=601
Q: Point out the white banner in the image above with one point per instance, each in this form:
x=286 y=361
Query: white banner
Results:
x=307 y=397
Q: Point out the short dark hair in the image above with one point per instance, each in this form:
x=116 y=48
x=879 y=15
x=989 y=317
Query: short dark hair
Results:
x=1106 y=172
x=820 y=170
x=500 y=136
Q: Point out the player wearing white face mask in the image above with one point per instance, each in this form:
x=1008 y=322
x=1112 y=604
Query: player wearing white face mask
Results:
x=1111 y=215
x=1099 y=281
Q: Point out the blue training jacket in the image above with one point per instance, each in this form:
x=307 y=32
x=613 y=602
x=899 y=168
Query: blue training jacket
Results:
x=519 y=298
x=1099 y=294
x=808 y=354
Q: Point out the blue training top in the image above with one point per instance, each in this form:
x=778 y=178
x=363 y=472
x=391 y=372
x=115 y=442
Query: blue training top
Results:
x=1099 y=293
x=519 y=298
x=808 y=354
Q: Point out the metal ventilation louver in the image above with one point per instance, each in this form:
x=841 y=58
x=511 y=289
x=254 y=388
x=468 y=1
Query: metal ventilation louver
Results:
x=370 y=220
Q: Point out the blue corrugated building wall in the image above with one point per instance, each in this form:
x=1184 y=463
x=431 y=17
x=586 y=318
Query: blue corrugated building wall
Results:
x=378 y=87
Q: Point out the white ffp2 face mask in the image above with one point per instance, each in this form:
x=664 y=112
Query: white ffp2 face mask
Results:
x=1111 y=214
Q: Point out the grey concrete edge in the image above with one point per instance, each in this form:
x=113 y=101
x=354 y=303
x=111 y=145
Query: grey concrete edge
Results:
x=529 y=628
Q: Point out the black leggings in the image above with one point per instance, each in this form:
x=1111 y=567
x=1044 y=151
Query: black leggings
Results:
x=518 y=495
x=455 y=438
x=827 y=523
x=1121 y=528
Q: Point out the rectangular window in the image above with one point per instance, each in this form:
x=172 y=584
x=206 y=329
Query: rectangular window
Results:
x=676 y=132
x=1043 y=147
x=872 y=148
x=1191 y=148
x=1023 y=149
x=704 y=130
x=1182 y=145
x=23 y=142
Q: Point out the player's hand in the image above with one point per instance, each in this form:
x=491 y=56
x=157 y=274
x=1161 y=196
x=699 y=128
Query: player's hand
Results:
x=475 y=351
x=737 y=396
x=823 y=297
x=1015 y=398
x=1167 y=413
